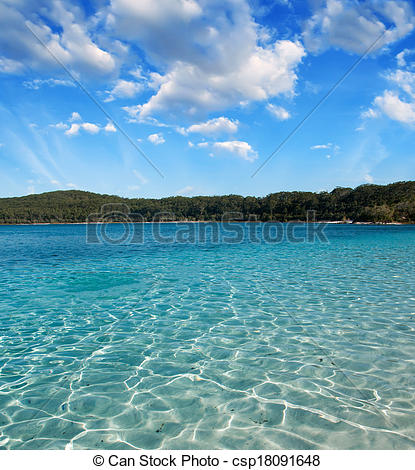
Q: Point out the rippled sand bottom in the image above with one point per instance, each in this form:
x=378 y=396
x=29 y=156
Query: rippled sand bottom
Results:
x=194 y=347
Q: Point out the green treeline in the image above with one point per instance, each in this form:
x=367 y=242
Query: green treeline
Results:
x=367 y=203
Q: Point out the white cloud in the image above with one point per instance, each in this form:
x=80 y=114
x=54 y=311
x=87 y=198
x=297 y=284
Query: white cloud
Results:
x=214 y=126
x=395 y=108
x=76 y=125
x=320 y=146
x=264 y=73
x=332 y=148
x=71 y=185
x=124 y=89
x=221 y=61
x=61 y=27
x=52 y=82
x=400 y=58
x=135 y=19
x=110 y=127
x=137 y=73
x=73 y=130
x=355 y=26
x=55 y=182
x=238 y=148
x=156 y=139
x=60 y=125
x=90 y=127
x=75 y=117
x=369 y=114
x=10 y=66
x=329 y=145
x=404 y=79
x=185 y=190
x=279 y=112
x=390 y=102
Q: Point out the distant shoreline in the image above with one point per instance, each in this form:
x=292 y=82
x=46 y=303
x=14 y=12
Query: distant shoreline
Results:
x=329 y=222
x=392 y=204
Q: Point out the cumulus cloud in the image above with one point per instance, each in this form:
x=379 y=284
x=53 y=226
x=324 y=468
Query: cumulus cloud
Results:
x=390 y=103
x=124 y=89
x=110 y=127
x=279 y=112
x=75 y=124
x=395 y=108
x=90 y=127
x=75 y=116
x=239 y=148
x=156 y=139
x=190 y=89
x=400 y=57
x=355 y=26
x=214 y=126
x=404 y=79
x=73 y=130
x=61 y=27
x=219 y=62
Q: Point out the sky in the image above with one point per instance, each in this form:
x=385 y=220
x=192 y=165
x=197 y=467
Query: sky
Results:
x=154 y=98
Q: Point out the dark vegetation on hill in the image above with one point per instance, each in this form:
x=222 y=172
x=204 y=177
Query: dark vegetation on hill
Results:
x=370 y=203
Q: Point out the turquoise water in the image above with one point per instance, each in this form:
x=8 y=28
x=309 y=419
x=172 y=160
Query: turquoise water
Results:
x=207 y=345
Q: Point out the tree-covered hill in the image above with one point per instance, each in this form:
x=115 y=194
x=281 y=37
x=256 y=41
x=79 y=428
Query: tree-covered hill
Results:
x=371 y=203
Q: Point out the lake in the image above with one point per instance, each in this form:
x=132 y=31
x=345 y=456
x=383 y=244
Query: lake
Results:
x=176 y=341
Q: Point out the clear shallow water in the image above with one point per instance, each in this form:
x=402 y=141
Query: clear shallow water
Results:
x=198 y=346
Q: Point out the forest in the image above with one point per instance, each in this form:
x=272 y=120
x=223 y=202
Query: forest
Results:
x=367 y=203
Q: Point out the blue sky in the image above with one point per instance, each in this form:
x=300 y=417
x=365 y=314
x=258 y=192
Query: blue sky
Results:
x=207 y=89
